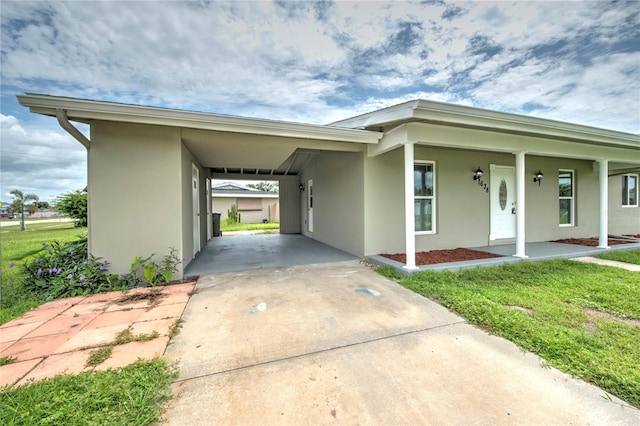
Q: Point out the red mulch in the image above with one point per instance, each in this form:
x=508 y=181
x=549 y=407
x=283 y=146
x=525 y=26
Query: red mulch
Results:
x=592 y=242
x=442 y=256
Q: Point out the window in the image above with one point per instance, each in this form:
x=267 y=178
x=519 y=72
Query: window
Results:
x=249 y=204
x=630 y=191
x=424 y=196
x=566 y=192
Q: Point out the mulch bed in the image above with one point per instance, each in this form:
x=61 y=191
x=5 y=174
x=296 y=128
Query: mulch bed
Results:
x=592 y=242
x=442 y=256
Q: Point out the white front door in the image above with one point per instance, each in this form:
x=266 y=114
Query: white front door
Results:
x=503 y=202
x=195 y=186
x=310 y=205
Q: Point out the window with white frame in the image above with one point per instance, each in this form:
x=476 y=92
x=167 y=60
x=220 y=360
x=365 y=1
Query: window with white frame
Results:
x=424 y=196
x=630 y=190
x=566 y=196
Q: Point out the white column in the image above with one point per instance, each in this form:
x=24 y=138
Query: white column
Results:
x=409 y=216
x=520 y=208
x=603 y=171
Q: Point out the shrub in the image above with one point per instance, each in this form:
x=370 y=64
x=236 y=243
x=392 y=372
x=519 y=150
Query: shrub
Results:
x=146 y=271
x=65 y=270
x=232 y=215
x=74 y=204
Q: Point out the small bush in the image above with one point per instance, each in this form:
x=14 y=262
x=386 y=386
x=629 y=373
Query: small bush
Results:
x=74 y=204
x=147 y=272
x=65 y=270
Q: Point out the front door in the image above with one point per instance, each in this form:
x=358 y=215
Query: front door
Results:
x=310 y=205
x=503 y=202
x=195 y=185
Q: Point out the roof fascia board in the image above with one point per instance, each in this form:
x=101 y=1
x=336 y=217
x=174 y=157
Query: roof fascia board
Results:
x=396 y=113
x=81 y=109
x=485 y=140
x=513 y=123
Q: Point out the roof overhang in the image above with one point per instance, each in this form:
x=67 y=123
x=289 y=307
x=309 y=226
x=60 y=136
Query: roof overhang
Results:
x=85 y=111
x=431 y=112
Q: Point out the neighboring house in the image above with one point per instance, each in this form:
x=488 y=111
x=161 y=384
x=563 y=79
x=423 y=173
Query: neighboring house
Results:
x=400 y=179
x=254 y=206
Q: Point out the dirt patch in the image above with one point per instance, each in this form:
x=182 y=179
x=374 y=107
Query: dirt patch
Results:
x=527 y=311
x=153 y=297
x=442 y=256
x=591 y=242
x=595 y=314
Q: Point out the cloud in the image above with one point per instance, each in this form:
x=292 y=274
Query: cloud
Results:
x=42 y=161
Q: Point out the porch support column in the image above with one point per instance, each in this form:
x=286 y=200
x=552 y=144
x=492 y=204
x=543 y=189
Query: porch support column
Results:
x=409 y=217
x=603 y=176
x=520 y=208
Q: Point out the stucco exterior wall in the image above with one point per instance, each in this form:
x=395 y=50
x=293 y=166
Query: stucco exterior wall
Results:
x=384 y=201
x=270 y=210
x=338 y=188
x=622 y=220
x=290 y=217
x=135 y=189
x=186 y=161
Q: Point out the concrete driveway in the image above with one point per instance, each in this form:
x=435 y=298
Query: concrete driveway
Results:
x=338 y=343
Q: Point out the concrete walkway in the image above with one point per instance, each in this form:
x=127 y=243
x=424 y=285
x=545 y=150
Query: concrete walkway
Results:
x=338 y=343
x=606 y=262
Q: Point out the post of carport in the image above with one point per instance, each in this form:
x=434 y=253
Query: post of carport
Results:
x=409 y=217
x=603 y=177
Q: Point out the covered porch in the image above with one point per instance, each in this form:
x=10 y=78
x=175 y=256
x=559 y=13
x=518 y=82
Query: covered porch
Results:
x=535 y=252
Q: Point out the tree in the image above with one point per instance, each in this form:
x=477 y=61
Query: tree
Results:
x=74 y=204
x=264 y=186
x=42 y=205
x=20 y=203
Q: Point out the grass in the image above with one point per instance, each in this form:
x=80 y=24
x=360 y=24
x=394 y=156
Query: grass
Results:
x=247 y=226
x=14 y=301
x=133 y=395
x=580 y=318
x=627 y=256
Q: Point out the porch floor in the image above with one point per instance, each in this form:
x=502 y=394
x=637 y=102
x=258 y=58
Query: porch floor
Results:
x=247 y=252
x=534 y=252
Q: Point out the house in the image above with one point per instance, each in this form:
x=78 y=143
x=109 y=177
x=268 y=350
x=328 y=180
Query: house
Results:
x=254 y=206
x=413 y=177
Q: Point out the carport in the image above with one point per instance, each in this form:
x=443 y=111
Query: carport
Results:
x=249 y=252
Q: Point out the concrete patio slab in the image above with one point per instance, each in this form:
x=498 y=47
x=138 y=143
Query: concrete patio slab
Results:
x=338 y=343
x=247 y=252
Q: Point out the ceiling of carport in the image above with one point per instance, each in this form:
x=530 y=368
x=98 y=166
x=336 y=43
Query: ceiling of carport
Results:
x=237 y=153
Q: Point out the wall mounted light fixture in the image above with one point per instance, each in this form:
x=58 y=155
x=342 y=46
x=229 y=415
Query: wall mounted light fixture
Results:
x=301 y=186
x=538 y=177
x=477 y=174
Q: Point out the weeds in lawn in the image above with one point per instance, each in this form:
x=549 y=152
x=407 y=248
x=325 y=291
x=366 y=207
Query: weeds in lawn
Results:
x=7 y=360
x=102 y=354
x=133 y=395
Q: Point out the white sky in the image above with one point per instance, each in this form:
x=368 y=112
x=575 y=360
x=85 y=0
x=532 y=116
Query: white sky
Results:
x=313 y=62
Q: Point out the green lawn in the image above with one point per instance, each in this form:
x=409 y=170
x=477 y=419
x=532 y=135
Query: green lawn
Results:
x=581 y=318
x=627 y=256
x=133 y=395
x=248 y=226
x=14 y=301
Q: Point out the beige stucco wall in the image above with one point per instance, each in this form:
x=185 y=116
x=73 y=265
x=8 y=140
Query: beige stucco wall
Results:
x=270 y=210
x=462 y=211
x=134 y=183
x=622 y=220
x=338 y=188
x=186 y=161
x=290 y=196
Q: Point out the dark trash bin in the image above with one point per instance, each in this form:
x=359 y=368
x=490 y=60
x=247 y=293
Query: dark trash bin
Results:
x=216 y=224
